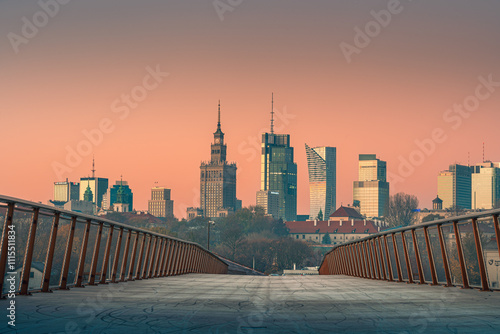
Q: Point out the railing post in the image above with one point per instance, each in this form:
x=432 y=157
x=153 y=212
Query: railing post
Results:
x=165 y=258
x=95 y=257
x=396 y=256
x=372 y=259
x=381 y=257
x=141 y=255
x=465 y=278
x=28 y=254
x=360 y=260
x=407 y=258
x=430 y=256
x=480 y=259
x=50 y=253
x=107 y=252
x=159 y=257
x=417 y=257
x=171 y=261
x=151 y=256
x=125 y=257
x=83 y=253
x=444 y=255
x=497 y=232
x=63 y=283
x=146 y=258
x=375 y=255
x=367 y=258
x=388 y=259
x=117 y=256
x=131 y=266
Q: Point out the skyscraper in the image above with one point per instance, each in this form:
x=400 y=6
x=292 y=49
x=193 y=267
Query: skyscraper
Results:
x=269 y=201
x=217 y=178
x=160 y=204
x=279 y=171
x=454 y=187
x=110 y=198
x=98 y=186
x=66 y=191
x=372 y=188
x=322 y=165
x=485 y=185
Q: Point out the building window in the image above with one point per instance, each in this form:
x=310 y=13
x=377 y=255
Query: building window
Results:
x=32 y=274
x=303 y=236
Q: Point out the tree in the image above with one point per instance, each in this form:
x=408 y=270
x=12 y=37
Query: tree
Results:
x=401 y=210
x=456 y=210
x=327 y=240
x=431 y=217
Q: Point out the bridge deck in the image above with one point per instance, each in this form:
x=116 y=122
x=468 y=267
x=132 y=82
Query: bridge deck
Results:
x=198 y=303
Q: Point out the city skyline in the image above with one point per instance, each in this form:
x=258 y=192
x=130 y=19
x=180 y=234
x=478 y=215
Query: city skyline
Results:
x=397 y=98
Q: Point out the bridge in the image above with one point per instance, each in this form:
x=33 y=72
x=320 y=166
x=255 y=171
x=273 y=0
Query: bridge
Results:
x=433 y=277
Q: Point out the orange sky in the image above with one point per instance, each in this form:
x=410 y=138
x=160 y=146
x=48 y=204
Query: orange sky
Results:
x=396 y=90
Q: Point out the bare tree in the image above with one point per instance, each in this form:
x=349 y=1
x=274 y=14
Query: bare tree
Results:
x=402 y=210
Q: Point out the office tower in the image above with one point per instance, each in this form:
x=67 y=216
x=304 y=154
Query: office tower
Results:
x=454 y=187
x=217 y=179
x=269 y=200
x=121 y=203
x=110 y=198
x=160 y=204
x=98 y=186
x=485 y=185
x=279 y=171
x=371 y=190
x=322 y=165
x=66 y=191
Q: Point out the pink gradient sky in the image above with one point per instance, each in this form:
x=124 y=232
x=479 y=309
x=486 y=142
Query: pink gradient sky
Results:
x=396 y=91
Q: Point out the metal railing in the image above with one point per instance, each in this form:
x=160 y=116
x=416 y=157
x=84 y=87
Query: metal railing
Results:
x=457 y=251
x=47 y=248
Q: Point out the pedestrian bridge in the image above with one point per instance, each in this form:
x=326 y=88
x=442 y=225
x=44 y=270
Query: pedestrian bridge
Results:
x=435 y=277
x=203 y=303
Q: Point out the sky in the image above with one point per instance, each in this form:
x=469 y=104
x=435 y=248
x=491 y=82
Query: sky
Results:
x=136 y=85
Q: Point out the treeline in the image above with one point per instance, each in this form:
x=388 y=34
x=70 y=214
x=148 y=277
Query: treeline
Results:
x=246 y=237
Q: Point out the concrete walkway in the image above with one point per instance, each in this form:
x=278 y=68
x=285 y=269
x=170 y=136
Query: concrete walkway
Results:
x=251 y=304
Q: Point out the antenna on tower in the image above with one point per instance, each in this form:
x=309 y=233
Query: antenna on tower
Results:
x=468 y=159
x=218 y=119
x=272 y=113
x=93 y=167
x=483 y=151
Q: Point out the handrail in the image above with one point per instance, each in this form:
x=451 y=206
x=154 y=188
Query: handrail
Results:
x=189 y=257
x=409 y=262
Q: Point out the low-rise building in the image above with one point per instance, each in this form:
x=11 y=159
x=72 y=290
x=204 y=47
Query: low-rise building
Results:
x=345 y=224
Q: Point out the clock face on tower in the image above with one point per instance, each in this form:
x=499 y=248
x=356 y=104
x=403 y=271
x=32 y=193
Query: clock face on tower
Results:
x=217 y=140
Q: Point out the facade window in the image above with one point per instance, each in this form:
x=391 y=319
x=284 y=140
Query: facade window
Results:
x=303 y=236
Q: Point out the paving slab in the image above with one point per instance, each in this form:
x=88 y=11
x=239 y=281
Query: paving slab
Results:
x=198 y=303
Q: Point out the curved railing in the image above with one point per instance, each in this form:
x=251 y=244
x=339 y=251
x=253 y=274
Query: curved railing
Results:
x=45 y=248
x=462 y=251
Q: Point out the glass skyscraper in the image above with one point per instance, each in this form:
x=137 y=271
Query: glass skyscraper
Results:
x=279 y=173
x=322 y=165
x=372 y=189
x=454 y=187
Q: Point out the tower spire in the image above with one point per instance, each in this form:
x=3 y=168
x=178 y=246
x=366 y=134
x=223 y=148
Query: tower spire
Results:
x=218 y=118
x=93 y=167
x=272 y=113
